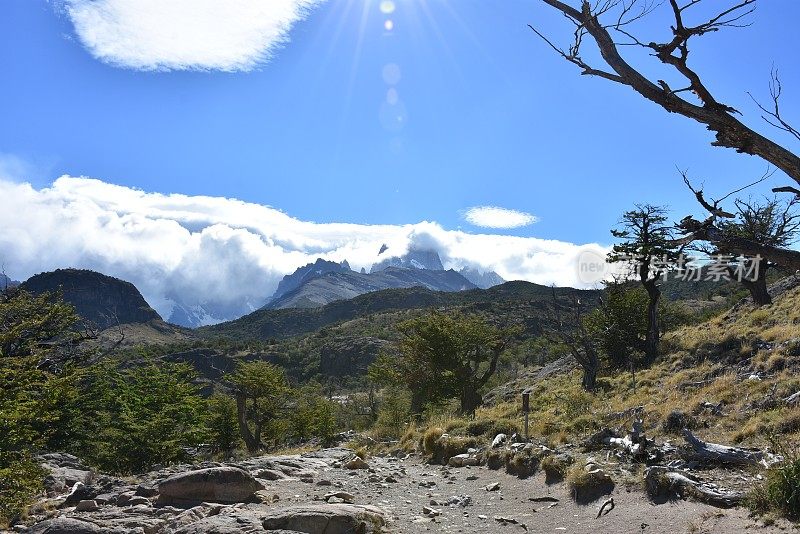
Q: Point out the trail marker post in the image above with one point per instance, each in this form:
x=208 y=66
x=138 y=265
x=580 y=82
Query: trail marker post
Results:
x=526 y=408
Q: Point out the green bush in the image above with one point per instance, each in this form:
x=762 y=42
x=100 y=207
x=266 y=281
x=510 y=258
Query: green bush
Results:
x=393 y=414
x=780 y=493
x=137 y=417
x=221 y=423
x=20 y=481
x=491 y=427
x=314 y=415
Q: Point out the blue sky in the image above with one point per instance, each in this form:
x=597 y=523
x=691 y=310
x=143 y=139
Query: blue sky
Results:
x=483 y=113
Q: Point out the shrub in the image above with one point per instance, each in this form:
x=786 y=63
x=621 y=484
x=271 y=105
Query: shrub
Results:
x=676 y=421
x=20 y=481
x=393 y=414
x=138 y=417
x=490 y=428
x=586 y=485
x=790 y=423
x=314 y=416
x=497 y=458
x=780 y=493
x=523 y=464
x=555 y=468
x=220 y=420
x=430 y=438
x=447 y=446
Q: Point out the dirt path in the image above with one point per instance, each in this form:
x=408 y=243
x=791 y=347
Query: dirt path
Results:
x=405 y=499
x=413 y=497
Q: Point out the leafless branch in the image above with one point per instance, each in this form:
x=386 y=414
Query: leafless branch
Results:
x=714 y=208
x=705 y=107
x=773 y=117
x=572 y=57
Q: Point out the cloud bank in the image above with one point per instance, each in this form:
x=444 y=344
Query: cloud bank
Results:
x=226 y=35
x=496 y=217
x=199 y=249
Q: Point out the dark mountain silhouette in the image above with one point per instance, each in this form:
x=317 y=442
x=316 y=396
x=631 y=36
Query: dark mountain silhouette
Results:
x=102 y=300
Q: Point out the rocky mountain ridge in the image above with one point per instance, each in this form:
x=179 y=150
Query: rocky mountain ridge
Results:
x=102 y=300
x=323 y=282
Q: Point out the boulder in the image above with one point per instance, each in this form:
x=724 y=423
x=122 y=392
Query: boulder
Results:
x=215 y=484
x=66 y=525
x=87 y=506
x=326 y=519
x=224 y=524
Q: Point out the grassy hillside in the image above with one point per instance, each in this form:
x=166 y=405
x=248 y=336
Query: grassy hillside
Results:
x=265 y=325
x=729 y=377
x=342 y=338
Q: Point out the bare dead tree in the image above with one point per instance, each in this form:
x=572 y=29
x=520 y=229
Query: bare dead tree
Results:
x=608 y=24
x=571 y=332
x=717 y=229
x=768 y=221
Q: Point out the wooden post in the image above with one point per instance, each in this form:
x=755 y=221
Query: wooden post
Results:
x=526 y=408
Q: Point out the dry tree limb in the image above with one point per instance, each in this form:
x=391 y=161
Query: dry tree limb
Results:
x=661 y=482
x=724 y=454
x=603 y=511
x=705 y=108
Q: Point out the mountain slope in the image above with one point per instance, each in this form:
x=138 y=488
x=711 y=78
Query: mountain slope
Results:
x=481 y=279
x=6 y=282
x=332 y=286
x=303 y=274
x=102 y=300
x=413 y=259
x=343 y=337
x=270 y=324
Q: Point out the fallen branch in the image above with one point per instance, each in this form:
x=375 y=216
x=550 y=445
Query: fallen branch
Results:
x=662 y=482
x=603 y=511
x=724 y=454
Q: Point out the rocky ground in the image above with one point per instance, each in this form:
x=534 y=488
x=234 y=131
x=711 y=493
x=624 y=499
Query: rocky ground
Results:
x=332 y=491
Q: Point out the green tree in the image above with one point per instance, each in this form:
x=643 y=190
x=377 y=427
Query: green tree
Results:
x=262 y=394
x=769 y=222
x=619 y=324
x=140 y=416
x=445 y=356
x=648 y=242
x=313 y=415
x=27 y=322
x=393 y=413
x=35 y=403
x=222 y=423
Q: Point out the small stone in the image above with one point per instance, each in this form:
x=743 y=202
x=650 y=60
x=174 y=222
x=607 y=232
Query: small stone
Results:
x=494 y=486
x=430 y=512
x=87 y=506
x=324 y=483
x=356 y=463
x=345 y=497
x=138 y=499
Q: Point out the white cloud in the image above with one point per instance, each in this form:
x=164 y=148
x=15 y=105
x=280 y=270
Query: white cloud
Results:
x=497 y=217
x=227 y=35
x=199 y=250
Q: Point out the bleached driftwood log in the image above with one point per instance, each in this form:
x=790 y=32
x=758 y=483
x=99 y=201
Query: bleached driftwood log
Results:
x=634 y=442
x=724 y=454
x=661 y=481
